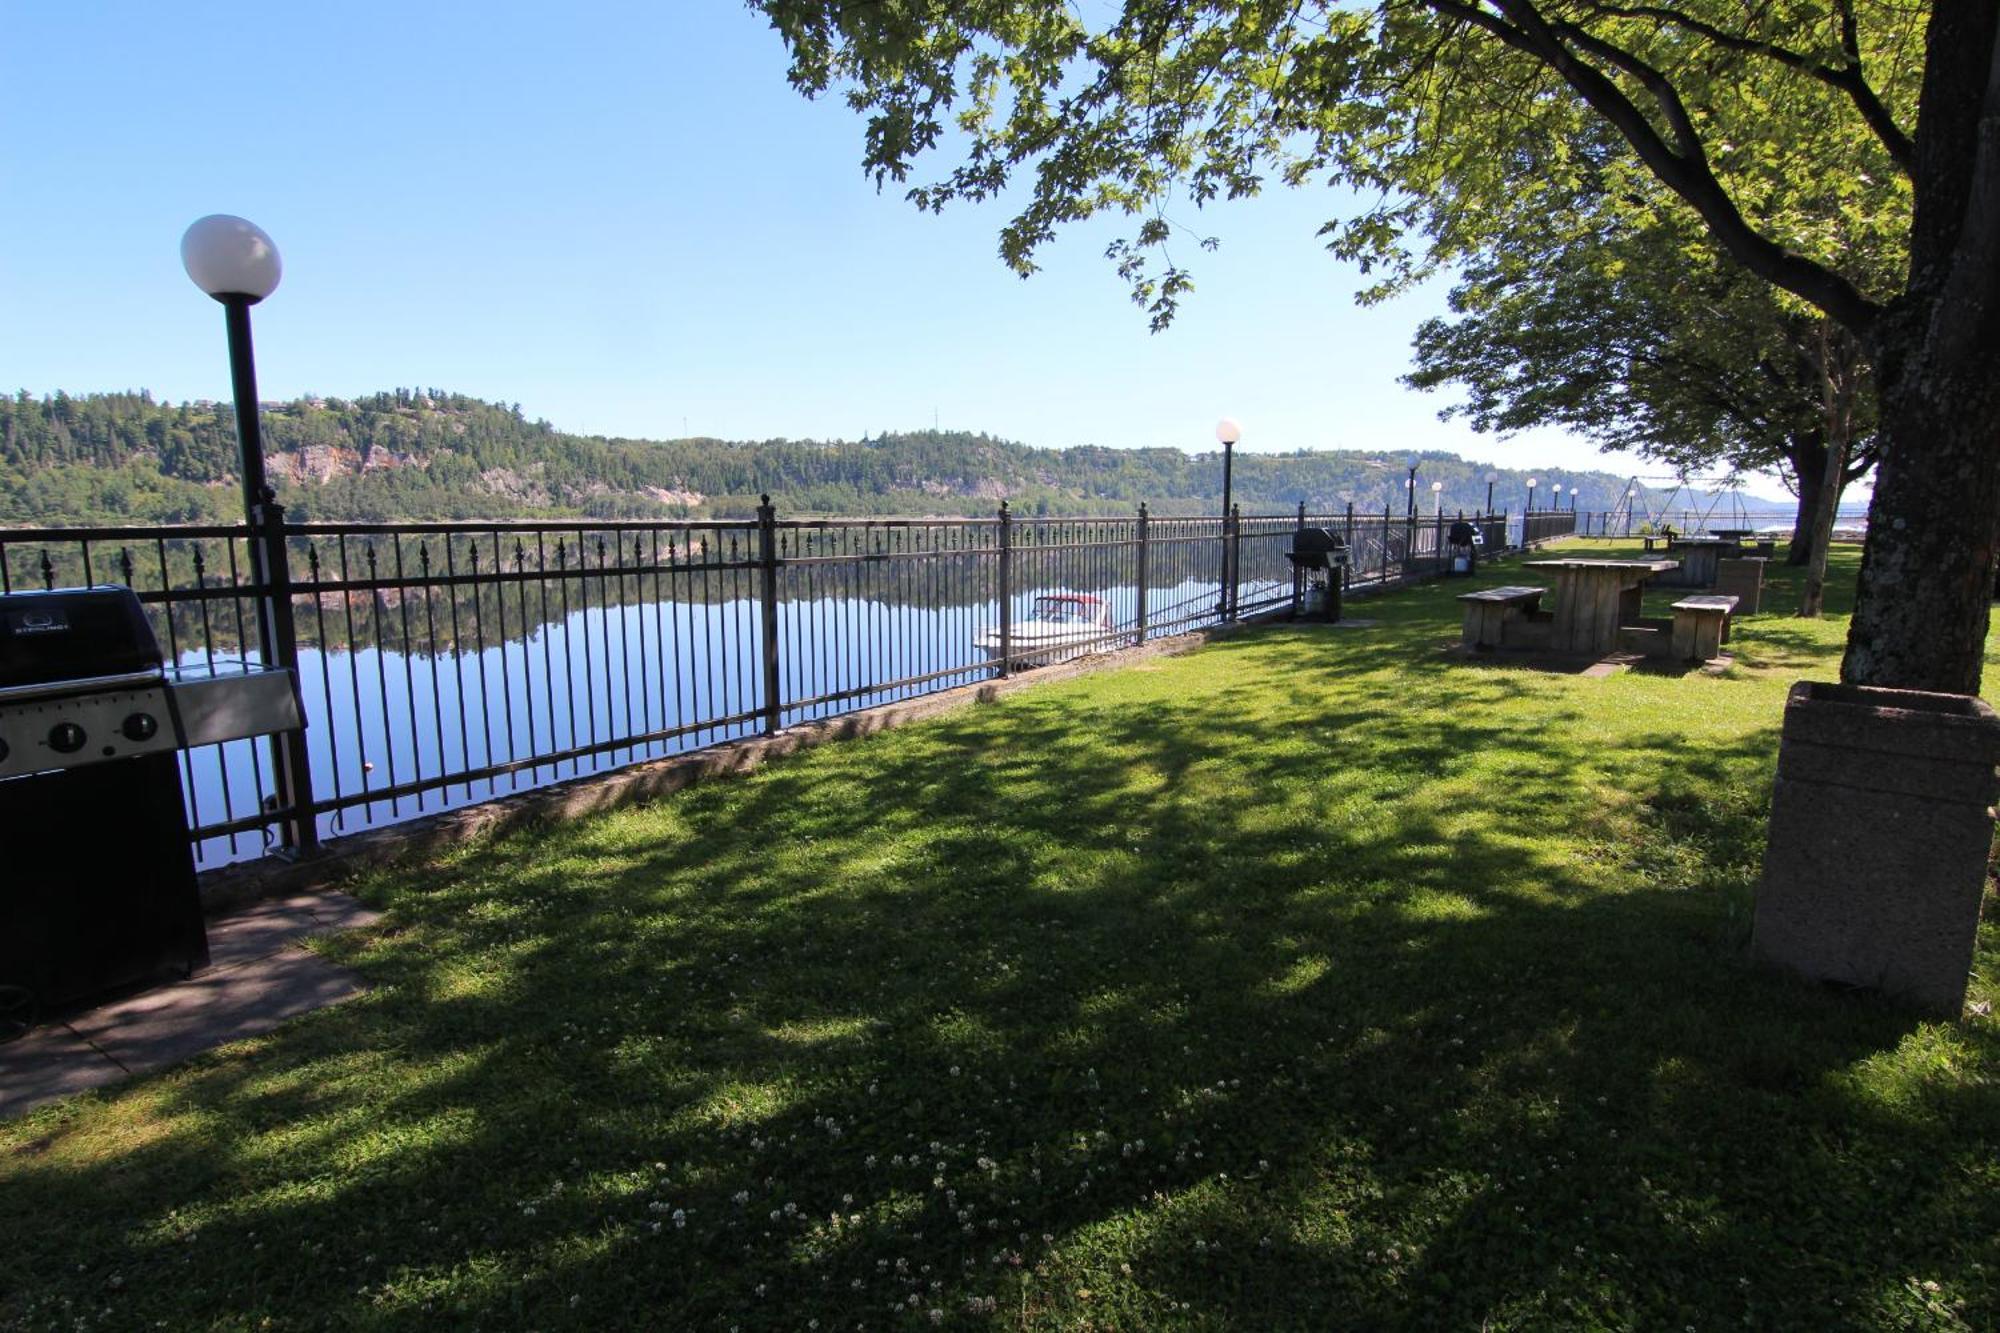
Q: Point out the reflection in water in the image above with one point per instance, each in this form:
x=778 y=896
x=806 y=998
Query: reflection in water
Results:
x=395 y=732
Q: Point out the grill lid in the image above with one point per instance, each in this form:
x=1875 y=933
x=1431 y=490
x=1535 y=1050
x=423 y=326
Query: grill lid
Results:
x=74 y=633
x=1312 y=547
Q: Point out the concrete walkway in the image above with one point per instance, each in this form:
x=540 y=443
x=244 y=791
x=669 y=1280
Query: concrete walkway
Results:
x=257 y=977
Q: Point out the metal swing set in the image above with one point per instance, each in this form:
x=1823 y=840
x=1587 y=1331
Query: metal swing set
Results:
x=1717 y=490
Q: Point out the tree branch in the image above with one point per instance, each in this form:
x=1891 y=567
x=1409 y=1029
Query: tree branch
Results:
x=1847 y=78
x=1525 y=28
x=1687 y=140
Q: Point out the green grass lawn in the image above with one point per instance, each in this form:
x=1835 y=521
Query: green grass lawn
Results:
x=1318 y=979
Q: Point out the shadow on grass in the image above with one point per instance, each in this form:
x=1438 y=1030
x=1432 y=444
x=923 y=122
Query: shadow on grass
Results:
x=1313 y=982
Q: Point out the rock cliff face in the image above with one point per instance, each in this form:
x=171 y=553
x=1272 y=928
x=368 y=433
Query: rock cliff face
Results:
x=318 y=464
x=326 y=462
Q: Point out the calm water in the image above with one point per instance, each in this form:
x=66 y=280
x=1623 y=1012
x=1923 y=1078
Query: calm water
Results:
x=377 y=718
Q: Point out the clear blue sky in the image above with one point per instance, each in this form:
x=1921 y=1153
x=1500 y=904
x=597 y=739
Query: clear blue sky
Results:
x=624 y=219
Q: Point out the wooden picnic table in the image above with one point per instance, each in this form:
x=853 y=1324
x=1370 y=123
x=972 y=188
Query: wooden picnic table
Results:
x=1594 y=598
x=1698 y=560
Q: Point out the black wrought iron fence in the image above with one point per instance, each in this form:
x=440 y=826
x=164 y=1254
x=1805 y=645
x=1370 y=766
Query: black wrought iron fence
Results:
x=1546 y=524
x=443 y=664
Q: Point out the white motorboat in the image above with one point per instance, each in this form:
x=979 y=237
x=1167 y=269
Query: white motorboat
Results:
x=1059 y=626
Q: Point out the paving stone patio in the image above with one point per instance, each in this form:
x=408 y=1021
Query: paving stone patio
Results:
x=258 y=976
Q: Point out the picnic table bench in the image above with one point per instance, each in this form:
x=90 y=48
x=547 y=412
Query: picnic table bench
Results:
x=1701 y=626
x=1490 y=612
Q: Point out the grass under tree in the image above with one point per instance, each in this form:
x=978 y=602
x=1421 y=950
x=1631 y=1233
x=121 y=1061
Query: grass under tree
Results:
x=1319 y=979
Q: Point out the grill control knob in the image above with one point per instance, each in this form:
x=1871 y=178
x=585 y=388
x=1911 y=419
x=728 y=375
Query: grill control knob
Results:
x=140 y=727
x=66 y=738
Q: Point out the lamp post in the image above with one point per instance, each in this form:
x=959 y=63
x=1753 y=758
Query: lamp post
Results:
x=1491 y=478
x=1531 y=497
x=1227 y=433
x=1410 y=485
x=1437 y=499
x=1556 y=491
x=237 y=263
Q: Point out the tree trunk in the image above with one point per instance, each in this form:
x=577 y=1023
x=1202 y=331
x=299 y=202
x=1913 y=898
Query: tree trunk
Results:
x=1920 y=614
x=1837 y=373
x=1809 y=467
x=1820 y=541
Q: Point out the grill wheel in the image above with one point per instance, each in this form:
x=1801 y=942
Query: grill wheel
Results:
x=18 y=1011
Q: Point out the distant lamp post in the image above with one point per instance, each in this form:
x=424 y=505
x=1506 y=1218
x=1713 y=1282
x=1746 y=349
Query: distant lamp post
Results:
x=1531 y=495
x=1491 y=478
x=1410 y=485
x=1437 y=499
x=1227 y=433
x=237 y=263
x=1556 y=491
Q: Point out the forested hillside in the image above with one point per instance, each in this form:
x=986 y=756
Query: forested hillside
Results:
x=112 y=457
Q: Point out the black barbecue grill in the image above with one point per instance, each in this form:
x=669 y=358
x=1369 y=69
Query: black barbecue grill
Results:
x=1318 y=556
x=1464 y=554
x=99 y=890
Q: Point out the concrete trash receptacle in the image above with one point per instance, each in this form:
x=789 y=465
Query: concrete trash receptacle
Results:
x=1881 y=824
x=1743 y=579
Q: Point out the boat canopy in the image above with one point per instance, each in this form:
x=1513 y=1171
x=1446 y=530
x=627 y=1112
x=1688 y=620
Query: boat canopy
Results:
x=1070 y=608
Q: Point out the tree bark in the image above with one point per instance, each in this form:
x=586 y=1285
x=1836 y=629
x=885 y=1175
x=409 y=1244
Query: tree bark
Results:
x=1920 y=613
